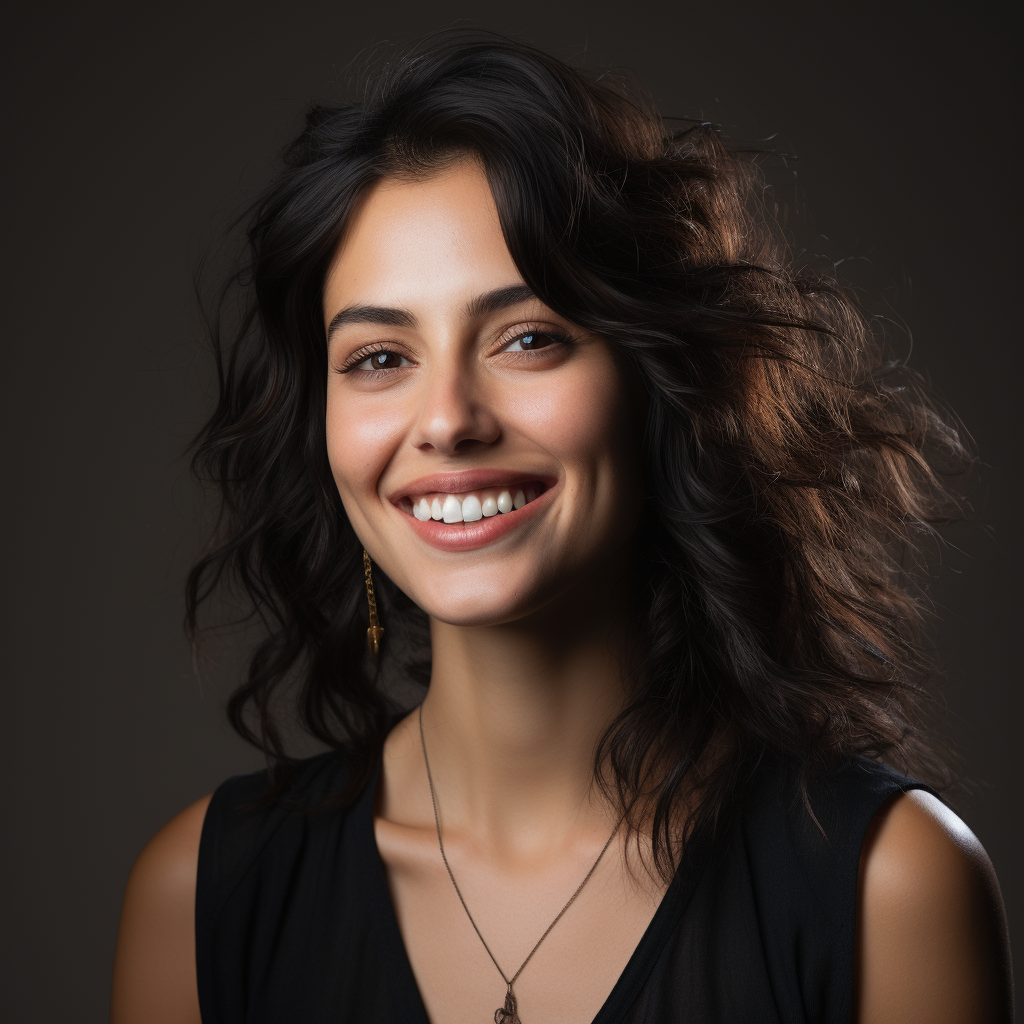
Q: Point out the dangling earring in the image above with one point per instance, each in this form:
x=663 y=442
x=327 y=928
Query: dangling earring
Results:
x=376 y=630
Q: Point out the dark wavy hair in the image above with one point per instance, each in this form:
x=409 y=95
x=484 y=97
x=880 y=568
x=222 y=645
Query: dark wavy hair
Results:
x=790 y=464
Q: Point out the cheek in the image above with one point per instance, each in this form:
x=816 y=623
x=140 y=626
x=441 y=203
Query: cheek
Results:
x=586 y=420
x=360 y=440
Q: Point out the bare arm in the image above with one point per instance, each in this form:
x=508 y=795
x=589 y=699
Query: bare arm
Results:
x=932 y=943
x=155 y=962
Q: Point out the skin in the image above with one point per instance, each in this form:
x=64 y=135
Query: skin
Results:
x=527 y=665
x=932 y=941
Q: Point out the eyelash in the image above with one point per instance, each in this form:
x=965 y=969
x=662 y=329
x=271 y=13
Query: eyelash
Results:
x=363 y=354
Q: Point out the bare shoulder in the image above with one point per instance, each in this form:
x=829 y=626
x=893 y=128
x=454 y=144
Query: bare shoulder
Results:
x=154 y=965
x=932 y=943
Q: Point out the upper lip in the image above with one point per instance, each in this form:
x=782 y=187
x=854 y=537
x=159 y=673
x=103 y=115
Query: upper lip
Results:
x=467 y=480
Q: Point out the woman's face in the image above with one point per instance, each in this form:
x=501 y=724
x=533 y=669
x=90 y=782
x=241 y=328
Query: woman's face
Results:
x=454 y=396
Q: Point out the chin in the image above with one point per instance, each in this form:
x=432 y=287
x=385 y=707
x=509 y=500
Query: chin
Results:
x=479 y=597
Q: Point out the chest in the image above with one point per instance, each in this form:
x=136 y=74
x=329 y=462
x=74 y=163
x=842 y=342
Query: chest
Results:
x=567 y=978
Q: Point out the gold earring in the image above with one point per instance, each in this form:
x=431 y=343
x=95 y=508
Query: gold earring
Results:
x=376 y=630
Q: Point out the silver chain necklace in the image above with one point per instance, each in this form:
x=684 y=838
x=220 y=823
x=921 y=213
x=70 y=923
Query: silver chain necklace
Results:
x=507 y=1014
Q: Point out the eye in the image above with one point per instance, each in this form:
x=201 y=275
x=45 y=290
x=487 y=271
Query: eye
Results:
x=533 y=341
x=376 y=361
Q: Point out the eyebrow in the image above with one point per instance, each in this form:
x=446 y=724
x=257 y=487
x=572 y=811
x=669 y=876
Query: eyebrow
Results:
x=389 y=316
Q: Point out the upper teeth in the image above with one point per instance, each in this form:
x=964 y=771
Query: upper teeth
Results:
x=467 y=508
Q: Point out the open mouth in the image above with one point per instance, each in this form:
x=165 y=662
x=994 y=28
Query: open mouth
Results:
x=470 y=506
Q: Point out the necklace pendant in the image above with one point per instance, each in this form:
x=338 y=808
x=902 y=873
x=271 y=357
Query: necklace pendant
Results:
x=508 y=1014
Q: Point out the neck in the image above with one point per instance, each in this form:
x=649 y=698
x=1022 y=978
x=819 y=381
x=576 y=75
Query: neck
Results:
x=513 y=716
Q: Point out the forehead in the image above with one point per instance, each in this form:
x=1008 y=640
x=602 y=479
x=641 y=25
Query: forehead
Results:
x=421 y=243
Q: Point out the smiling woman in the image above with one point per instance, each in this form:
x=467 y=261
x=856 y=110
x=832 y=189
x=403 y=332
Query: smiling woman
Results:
x=460 y=423
x=529 y=395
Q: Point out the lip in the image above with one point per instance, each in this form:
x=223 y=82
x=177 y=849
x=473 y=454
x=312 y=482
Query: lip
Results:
x=471 y=480
x=470 y=536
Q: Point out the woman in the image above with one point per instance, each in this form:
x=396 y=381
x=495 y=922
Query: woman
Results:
x=531 y=411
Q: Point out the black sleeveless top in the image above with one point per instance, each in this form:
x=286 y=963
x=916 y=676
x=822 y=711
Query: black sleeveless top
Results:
x=295 y=925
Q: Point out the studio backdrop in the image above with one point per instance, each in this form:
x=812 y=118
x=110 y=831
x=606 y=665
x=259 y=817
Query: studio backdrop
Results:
x=137 y=132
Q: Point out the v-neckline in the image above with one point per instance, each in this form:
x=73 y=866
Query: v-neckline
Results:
x=408 y=1001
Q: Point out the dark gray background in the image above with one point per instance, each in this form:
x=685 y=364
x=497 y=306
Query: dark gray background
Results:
x=137 y=130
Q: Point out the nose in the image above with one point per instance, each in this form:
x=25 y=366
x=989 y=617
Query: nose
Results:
x=454 y=413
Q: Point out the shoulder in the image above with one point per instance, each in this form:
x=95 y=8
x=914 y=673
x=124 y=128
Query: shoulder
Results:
x=154 y=964
x=177 y=874
x=248 y=815
x=931 y=939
